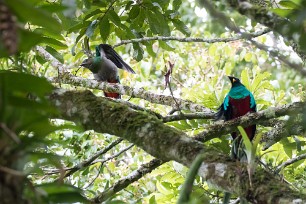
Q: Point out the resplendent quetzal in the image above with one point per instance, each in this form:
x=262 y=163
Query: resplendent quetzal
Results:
x=104 y=66
x=238 y=102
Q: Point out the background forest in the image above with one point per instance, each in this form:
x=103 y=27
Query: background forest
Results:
x=62 y=141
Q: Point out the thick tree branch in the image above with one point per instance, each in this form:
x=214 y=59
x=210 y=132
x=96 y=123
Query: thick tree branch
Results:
x=67 y=77
x=124 y=182
x=167 y=143
x=219 y=128
x=280 y=130
x=137 y=93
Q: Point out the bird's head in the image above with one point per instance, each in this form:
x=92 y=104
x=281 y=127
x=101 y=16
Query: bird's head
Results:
x=87 y=63
x=234 y=81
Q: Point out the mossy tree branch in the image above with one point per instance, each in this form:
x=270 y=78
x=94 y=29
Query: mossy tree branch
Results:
x=137 y=93
x=166 y=143
x=280 y=130
x=220 y=128
x=67 y=77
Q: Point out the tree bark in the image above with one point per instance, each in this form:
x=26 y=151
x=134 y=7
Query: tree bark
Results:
x=166 y=143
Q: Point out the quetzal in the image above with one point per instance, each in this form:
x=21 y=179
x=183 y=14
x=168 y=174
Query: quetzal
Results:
x=104 y=66
x=238 y=102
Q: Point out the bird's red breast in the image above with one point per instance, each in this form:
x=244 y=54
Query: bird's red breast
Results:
x=239 y=108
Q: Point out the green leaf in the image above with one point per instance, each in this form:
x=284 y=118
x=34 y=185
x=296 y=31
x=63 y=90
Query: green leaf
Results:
x=78 y=26
x=54 y=43
x=138 y=52
x=282 y=12
x=134 y=12
x=91 y=29
x=181 y=27
x=298 y=143
x=259 y=81
x=82 y=32
x=166 y=45
x=54 y=7
x=62 y=193
x=149 y=48
x=246 y=140
x=55 y=54
x=153 y=23
x=289 y=4
x=28 y=40
x=128 y=5
x=152 y=200
x=28 y=12
x=163 y=188
x=92 y=13
x=48 y=33
x=40 y=59
x=104 y=27
x=20 y=82
x=245 y=79
x=248 y=57
x=112 y=15
x=288 y=147
x=140 y=19
x=157 y=23
x=163 y=4
x=212 y=49
x=176 y=4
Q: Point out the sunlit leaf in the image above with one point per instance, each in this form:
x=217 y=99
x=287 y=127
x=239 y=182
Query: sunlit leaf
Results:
x=104 y=27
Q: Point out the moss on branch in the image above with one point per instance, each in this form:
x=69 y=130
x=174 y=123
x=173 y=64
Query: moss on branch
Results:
x=166 y=143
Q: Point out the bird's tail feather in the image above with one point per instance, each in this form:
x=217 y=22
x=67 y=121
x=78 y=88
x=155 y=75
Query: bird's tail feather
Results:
x=238 y=150
x=220 y=113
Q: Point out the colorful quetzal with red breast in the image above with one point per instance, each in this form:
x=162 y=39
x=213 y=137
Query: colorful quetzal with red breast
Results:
x=104 y=66
x=238 y=102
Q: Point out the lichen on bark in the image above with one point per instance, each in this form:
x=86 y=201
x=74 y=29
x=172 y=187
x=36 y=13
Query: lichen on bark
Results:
x=166 y=143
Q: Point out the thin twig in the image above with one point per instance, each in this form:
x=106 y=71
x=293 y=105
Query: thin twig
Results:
x=10 y=133
x=88 y=161
x=124 y=182
x=11 y=171
x=105 y=160
x=289 y=162
x=187 y=116
x=191 y=39
x=293 y=65
x=113 y=156
x=228 y=23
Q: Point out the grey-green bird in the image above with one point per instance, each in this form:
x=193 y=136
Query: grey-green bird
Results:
x=104 y=66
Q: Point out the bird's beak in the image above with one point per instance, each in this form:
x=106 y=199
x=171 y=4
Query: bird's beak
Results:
x=232 y=79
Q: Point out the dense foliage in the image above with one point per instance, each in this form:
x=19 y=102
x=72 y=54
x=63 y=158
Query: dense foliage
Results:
x=51 y=160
